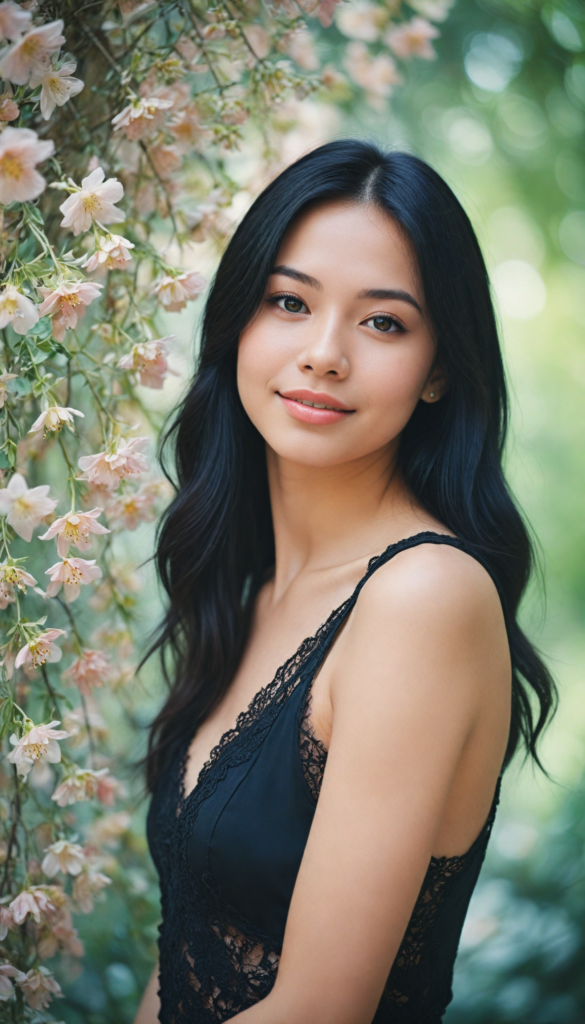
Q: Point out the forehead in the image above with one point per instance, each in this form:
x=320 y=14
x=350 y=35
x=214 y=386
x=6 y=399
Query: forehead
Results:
x=359 y=242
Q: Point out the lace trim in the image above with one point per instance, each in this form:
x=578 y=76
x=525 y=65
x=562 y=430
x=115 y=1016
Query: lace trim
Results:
x=312 y=750
x=265 y=696
x=214 y=963
x=402 y=985
x=274 y=693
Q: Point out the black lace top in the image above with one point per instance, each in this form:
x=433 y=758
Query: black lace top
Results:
x=228 y=856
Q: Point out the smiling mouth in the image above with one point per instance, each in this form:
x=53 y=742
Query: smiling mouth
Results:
x=317 y=405
x=314 y=405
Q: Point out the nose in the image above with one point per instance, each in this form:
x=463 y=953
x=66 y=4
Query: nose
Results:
x=323 y=352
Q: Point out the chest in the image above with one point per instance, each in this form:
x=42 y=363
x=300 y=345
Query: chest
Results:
x=274 y=635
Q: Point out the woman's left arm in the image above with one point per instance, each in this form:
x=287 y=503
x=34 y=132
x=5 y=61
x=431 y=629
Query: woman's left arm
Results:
x=424 y=648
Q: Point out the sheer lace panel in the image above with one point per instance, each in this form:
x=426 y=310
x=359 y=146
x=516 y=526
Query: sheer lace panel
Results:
x=214 y=963
x=313 y=752
x=406 y=980
x=245 y=973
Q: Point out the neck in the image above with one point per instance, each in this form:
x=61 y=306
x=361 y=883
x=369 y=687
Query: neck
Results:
x=328 y=516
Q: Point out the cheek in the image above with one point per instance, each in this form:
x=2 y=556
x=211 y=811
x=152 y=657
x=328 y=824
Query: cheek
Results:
x=258 y=361
x=393 y=380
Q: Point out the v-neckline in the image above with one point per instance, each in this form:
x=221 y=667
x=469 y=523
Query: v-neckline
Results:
x=230 y=735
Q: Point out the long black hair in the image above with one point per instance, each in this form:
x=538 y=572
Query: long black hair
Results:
x=215 y=541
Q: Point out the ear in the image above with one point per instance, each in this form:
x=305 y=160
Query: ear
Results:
x=435 y=387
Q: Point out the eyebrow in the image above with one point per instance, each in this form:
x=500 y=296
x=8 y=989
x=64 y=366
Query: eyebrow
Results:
x=370 y=293
x=297 y=275
x=390 y=293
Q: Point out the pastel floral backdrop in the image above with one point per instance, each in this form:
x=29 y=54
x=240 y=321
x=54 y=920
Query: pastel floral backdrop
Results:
x=132 y=135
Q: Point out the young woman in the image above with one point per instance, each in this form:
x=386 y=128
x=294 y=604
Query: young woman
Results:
x=319 y=827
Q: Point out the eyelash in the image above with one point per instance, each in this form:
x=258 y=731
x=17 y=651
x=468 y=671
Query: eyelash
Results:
x=273 y=300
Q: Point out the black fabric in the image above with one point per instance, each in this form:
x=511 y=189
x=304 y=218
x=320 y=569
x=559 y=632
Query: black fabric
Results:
x=228 y=856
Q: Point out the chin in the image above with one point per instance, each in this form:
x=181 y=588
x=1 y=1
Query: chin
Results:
x=320 y=452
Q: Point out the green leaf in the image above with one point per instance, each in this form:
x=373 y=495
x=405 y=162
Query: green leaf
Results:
x=36 y=354
x=21 y=386
x=33 y=214
x=42 y=329
x=5 y=717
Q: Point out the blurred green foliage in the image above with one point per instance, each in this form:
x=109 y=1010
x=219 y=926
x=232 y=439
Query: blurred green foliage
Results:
x=501 y=114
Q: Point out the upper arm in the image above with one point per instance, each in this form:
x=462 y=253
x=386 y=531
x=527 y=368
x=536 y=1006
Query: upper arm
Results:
x=417 y=656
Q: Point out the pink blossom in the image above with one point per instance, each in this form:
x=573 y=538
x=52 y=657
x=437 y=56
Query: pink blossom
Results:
x=86 y=886
x=39 y=987
x=141 y=116
x=108 y=789
x=7 y=922
x=66 y=304
x=128 y=510
x=17 y=310
x=54 y=418
x=206 y=217
x=56 y=933
x=39 y=742
x=63 y=856
x=13 y=20
x=91 y=668
x=39 y=650
x=12 y=576
x=30 y=55
x=93 y=201
x=82 y=784
x=187 y=128
x=148 y=360
x=361 y=20
x=23 y=506
x=8 y=108
x=5 y=379
x=72 y=573
x=57 y=87
x=434 y=10
x=299 y=44
x=75 y=529
x=112 y=254
x=166 y=159
x=115 y=637
x=122 y=459
x=81 y=721
x=175 y=292
x=7 y=971
x=325 y=11
x=413 y=39
x=20 y=151
x=108 y=829
x=34 y=901
x=376 y=75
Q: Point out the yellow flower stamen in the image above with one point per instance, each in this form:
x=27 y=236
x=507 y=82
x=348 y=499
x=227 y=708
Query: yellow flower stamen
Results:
x=11 y=167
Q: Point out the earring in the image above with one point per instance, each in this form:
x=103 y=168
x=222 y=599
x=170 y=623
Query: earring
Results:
x=431 y=394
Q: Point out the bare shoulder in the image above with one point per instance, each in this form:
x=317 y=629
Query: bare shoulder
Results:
x=432 y=580
x=436 y=609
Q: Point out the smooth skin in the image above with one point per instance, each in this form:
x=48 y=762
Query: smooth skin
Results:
x=413 y=699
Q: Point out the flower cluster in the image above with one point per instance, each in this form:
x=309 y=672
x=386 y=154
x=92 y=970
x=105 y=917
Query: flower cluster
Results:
x=114 y=199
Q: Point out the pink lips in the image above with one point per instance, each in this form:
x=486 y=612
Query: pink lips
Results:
x=292 y=401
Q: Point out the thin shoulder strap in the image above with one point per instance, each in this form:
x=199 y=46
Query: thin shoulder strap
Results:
x=327 y=632
x=427 y=537
x=321 y=642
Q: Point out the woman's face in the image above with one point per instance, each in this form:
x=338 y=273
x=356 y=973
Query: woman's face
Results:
x=341 y=326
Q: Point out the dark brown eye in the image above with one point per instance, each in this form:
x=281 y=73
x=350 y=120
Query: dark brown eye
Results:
x=383 y=323
x=291 y=304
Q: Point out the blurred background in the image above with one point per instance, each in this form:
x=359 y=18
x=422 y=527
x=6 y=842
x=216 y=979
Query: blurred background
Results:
x=500 y=112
